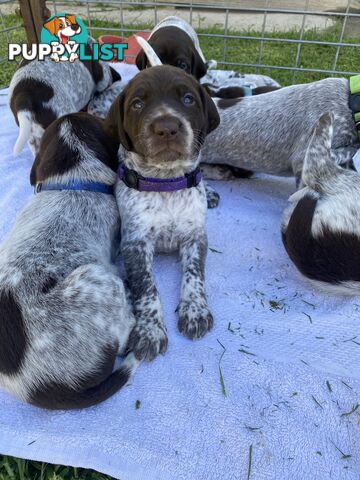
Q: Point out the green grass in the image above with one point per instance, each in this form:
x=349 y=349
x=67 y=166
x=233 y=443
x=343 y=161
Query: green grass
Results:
x=18 y=469
x=237 y=50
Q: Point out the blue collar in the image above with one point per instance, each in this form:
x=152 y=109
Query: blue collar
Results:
x=248 y=91
x=76 y=185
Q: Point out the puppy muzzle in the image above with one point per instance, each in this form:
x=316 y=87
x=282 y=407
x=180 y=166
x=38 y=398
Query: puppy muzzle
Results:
x=168 y=135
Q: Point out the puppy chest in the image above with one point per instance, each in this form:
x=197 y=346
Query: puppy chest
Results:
x=166 y=218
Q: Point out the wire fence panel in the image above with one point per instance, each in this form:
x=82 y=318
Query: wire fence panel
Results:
x=294 y=41
x=11 y=31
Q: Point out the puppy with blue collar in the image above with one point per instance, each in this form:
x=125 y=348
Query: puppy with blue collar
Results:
x=64 y=315
x=161 y=120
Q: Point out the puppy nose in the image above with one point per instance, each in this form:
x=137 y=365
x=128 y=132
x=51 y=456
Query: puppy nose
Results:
x=166 y=127
x=74 y=27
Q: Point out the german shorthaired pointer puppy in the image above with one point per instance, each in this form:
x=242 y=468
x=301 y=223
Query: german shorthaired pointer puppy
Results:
x=63 y=309
x=42 y=91
x=176 y=43
x=161 y=119
x=270 y=133
x=321 y=228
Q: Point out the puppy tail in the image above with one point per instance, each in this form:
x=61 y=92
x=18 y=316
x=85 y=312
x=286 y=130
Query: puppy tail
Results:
x=149 y=51
x=24 y=119
x=319 y=168
x=66 y=399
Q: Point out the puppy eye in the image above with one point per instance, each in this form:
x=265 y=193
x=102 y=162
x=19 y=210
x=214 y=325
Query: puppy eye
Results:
x=182 y=65
x=137 y=104
x=61 y=25
x=188 y=99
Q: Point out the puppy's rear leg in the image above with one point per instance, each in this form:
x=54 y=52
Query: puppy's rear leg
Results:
x=343 y=156
x=224 y=172
x=148 y=338
x=195 y=319
x=35 y=138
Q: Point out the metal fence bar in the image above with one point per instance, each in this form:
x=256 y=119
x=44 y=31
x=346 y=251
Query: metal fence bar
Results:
x=247 y=37
x=277 y=67
x=88 y=17
x=9 y=29
x=225 y=34
x=221 y=7
x=262 y=34
x=122 y=19
x=299 y=44
x=155 y=14
x=5 y=30
x=341 y=36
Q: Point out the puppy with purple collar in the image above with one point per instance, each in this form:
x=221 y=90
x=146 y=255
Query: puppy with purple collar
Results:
x=161 y=120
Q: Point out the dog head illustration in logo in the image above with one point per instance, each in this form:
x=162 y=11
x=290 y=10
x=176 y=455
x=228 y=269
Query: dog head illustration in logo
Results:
x=64 y=32
x=63 y=27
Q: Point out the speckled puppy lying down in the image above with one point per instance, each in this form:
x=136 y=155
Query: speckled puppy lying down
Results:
x=64 y=315
x=321 y=227
x=161 y=119
x=270 y=133
x=42 y=91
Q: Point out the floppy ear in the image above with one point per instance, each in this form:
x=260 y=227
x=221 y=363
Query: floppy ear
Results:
x=55 y=157
x=114 y=122
x=50 y=26
x=71 y=18
x=198 y=67
x=210 y=111
x=318 y=167
x=141 y=60
x=115 y=76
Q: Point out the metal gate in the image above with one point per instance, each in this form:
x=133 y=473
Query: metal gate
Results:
x=293 y=41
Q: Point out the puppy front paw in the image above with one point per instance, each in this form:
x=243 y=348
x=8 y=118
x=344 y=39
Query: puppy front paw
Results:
x=213 y=198
x=195 y=320
x=147 y=340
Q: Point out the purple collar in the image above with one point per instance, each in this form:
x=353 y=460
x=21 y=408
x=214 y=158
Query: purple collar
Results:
x=147 y=184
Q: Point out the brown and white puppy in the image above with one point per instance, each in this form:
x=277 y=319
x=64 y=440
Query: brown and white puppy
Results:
x=64 y=314
x=176 y=43
x=161 y=120
x=42 y=91
x=321 y=227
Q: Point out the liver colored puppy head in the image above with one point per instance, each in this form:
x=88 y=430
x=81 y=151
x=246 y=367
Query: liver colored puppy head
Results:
x=174 y=47
x=163 y=115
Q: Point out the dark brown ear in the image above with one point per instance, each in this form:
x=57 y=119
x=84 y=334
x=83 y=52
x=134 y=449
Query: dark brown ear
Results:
x=55 y=157
x=210 y=111
x=198 y=67
x=141 y=60
x=114 y=122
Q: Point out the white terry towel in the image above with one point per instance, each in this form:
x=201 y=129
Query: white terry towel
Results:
x=278 y=374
